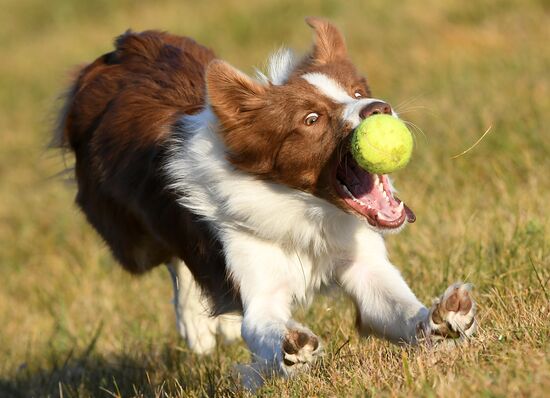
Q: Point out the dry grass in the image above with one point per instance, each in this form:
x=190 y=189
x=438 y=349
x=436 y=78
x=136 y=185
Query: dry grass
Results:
x=73 y=324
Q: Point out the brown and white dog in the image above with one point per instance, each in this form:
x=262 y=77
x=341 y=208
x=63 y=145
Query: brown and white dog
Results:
x=245 y=187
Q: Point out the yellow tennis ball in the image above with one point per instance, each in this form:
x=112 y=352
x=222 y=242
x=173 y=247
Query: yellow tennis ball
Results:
x=382 y=144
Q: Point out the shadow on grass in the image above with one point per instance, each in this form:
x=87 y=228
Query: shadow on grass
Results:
x=81 y=377
x=150 y=370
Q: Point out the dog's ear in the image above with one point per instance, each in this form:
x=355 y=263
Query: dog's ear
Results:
x=232 y=94
x=237 y=100
x=329 y=42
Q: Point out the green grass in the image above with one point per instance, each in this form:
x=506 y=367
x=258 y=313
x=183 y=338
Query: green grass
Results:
x=74 y=324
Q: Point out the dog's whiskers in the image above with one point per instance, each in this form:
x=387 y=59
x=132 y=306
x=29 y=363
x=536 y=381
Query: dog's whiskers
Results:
x=414 y=128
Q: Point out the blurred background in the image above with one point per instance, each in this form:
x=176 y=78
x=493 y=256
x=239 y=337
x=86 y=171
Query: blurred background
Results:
x=74 y=324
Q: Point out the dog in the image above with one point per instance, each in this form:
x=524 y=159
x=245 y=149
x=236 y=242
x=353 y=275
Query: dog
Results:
x=246 y=189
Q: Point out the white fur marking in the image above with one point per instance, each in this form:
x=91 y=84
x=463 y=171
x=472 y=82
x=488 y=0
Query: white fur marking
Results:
x=280 y=66
x=211 y=187
x=333 y=90
x=193 y=319
x=282 y=244
x=329 y=87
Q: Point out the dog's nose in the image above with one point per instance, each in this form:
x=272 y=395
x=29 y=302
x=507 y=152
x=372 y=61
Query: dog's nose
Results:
x=375 y=108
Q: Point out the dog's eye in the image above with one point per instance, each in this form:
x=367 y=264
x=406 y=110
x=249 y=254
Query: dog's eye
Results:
x=357 y=94
x=311 y=118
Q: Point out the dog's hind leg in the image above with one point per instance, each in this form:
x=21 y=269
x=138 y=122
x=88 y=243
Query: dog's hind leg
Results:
x=229 y=326
x=193 y=319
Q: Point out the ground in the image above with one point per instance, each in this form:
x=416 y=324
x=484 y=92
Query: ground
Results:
x=74 y=324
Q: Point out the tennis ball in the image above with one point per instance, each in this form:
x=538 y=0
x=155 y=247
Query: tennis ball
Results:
x=382 y=144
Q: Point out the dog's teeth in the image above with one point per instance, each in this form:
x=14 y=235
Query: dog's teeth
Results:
x=400 y=207
x=360 y=202
x=376 y=180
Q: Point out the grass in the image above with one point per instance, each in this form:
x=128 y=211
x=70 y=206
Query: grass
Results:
x=74 y=324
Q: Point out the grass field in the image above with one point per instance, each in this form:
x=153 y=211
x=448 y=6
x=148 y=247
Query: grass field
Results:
x=74 y=324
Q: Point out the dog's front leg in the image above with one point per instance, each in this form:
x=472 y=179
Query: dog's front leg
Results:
x=268 y=279
x=388 y=308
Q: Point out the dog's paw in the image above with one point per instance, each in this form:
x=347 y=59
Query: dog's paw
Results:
x=453 y=314
x=300 y=348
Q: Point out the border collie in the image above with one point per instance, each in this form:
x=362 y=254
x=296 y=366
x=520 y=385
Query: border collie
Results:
x=246 y=189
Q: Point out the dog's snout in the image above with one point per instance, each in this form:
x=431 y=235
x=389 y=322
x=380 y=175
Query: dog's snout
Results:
x=375 y=108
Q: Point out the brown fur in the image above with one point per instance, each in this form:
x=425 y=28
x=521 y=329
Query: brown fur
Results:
x=120 y=114
x=124 y=107
x=263 y=126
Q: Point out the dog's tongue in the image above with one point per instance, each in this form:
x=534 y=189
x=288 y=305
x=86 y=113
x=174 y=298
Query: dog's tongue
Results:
x=371 y=195
x=369 y=189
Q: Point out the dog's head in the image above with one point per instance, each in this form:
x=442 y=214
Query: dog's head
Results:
x=293 y=128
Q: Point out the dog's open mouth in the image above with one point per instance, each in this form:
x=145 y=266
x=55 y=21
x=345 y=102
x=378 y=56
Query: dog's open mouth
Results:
x=370 y=195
